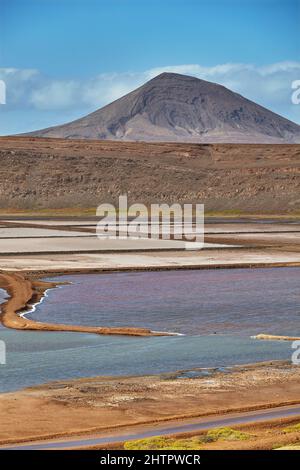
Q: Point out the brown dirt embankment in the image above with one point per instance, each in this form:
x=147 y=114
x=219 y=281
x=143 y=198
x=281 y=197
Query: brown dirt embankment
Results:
x=25 y=292
x=109 y=405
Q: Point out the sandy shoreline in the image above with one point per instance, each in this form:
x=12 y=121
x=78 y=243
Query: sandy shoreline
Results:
x=111 y=404
x=24 y=293
x=27 y=290
x=117 y=402
x=108 y=404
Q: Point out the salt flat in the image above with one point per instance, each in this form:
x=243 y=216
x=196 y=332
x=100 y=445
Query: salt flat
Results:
x=274 y=238
x=210 y=227
x=81 y=244
x=164 y=259
x=250 y=228
x=24 y=232
x=43 y=247
x=51 y=222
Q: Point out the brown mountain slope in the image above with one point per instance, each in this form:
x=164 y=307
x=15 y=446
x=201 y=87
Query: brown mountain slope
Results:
x=173 y=107
x=53 y=173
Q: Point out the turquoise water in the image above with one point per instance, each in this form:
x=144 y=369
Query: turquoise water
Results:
x=38 y=357
x=217 y=311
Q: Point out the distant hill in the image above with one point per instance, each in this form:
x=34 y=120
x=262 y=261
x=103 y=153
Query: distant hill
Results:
x=39 y=173
x=179 y=108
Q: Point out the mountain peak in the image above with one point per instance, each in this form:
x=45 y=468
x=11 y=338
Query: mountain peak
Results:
x=166 y=75
x=175 y=77
x=170 y=75
x=175 y=107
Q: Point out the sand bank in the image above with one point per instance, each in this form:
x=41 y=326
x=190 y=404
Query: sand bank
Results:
x=24 y=293
x=264 y=336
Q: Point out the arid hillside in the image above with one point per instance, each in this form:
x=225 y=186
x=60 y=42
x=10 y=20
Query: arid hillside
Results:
x=55 y=173
x=178 y=108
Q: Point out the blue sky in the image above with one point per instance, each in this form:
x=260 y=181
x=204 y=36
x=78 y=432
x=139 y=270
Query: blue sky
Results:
x=63 y=58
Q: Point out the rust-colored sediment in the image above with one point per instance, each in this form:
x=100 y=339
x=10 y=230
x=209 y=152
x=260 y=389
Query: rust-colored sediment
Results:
x=25 y=292
x=265 y=336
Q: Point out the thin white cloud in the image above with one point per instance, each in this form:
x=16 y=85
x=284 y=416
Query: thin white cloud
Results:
x=56 y=95
x=269 y=85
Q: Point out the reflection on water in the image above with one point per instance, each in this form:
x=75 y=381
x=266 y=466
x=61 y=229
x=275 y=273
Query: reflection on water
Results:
x=193 y=302
x=218 y=310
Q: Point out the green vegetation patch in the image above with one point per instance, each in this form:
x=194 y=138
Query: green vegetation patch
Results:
x=192 y=443
x=293 y=428
x=165 y=443
x=227 y=434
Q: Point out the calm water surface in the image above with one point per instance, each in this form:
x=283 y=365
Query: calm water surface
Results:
x=194 y=302
x=217 y=311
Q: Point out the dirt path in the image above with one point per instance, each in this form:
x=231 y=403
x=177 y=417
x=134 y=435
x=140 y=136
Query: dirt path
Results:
x=179 y=427
x=115 y=405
